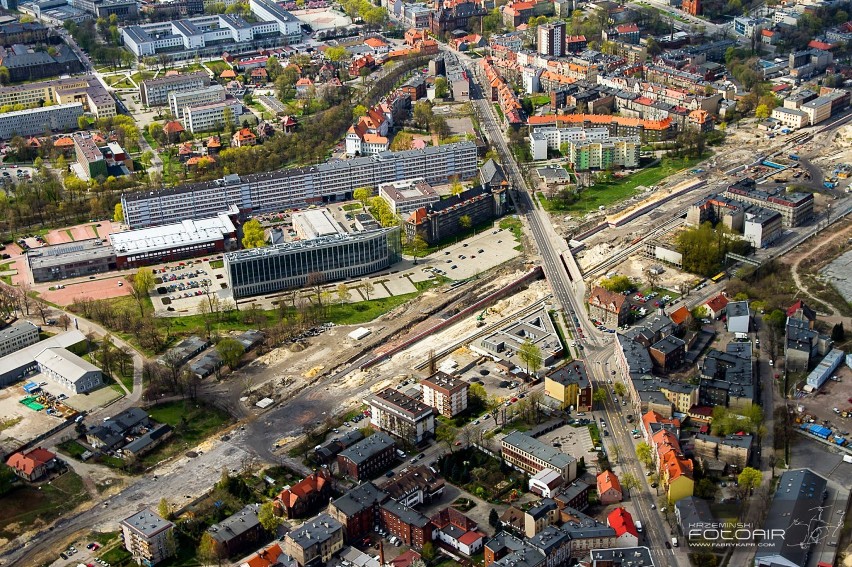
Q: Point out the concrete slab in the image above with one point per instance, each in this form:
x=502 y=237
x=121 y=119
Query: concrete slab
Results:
x=81 y=402
x=398 y=284
x=29 y=424
x=838 y=272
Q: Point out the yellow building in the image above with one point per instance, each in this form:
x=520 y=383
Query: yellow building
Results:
x=570 y=386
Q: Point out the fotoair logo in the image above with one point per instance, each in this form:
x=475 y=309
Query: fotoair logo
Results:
x=798 y=533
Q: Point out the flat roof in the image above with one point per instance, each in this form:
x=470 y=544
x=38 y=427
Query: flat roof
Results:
x=77 y=251
x=318 y=222
x=546 y=453
x=16 y=330
x=147 y=523
x=171 y=235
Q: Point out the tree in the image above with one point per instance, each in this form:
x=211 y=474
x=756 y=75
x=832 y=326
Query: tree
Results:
x=208 y=550
x=456 y=188
x=253 y=234
x=163 y=509
x=446 y=433
x=599 y=396
x=363 y=194
x=706 y=488
x=837 y=333
x=422 y=114
x=530 y=355
x=643 y=453
x=368 y=288
x=629 y=482
x=231 y=351
x=762 y=111
x=267 y=518
x=419 y=245
x=118 y=215
x=441 y=87
x=465 y=222
x=493 y=518
x=617 y=284
x=143 y=280
x=428 y=551
x=4 y=75
x=359 y=111
x=342 y=292
x=335 y=53
x=619 y=389
x=749 y=479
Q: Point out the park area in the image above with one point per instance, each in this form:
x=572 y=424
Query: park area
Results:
x=28 y=506
x=607 y=193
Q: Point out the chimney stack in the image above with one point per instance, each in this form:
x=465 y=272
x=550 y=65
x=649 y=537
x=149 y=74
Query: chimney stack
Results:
x=381 y=553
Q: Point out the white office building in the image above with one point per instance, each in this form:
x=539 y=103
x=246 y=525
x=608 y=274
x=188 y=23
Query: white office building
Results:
x=207 y=117
x=179 y=101
x=552 y=138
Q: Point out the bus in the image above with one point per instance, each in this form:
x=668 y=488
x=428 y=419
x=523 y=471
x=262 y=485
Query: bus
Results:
x=718 y=277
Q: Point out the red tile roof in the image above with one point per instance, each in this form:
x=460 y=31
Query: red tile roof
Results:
x=173 y=127
x=470 y=538
x=607 y=480
x=28 y=462
x=266 y=557
x=717 y=303
x=679 y=315
x=608 y=300
x=622 y=522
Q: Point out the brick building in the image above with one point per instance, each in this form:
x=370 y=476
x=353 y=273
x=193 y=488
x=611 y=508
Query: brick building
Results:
x=445 y=393
x=367 y=458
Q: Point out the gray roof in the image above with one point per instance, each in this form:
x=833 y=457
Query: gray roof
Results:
x=546 y=453
x=693 y=510
x=572 y=490
x=316 y=530
x=738 y=309
x=360 y=498
x=582 y=526
x=492 y=173
x=796 y=510
x=146 y=523
x=527 y=556
x=18 y=329
x=406 y=514
x=398 y=402
x=113 y=430
x=148 y=439
x=65 y=363
x=623 y=557
x=176 y=79
x=572 y=373
x=368 y=448
x=541 y=509
x=236 y=525
x=77 y=251
x=549 y=539
x=669 y=344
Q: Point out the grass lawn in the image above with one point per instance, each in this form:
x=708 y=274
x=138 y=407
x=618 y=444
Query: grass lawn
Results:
x=102 y=538
x=140 y=76
x=539 y=100
x=217 y=66
x=217 y=264
x=120 y=82
x=365 y=311
x=117 y=556
x=514 y=225
x=353 y=207
x=25 y=506
x=71 y=448
x=6 y=423
x=201 y=421
x=150 y=139
x=605 y=194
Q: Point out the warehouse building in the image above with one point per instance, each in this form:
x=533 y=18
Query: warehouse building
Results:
x=187 y=239
x=71 y=260
x=25 y=361
x=283 y=266
x=298 y=187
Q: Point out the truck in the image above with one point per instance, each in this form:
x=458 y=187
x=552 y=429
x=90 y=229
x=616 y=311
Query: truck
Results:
x=794 y=157
x=847 y=458
x=638 y=525
x=674 y=542
x=741 y=336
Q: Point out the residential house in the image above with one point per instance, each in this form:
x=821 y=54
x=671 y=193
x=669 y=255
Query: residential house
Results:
x=305 y=497
x=271 y=555
x=802 y=312
x=243 y=137
x=608 y=307
x=414 y=486
x=668 y=353
x=368 y=458
x=113 y=432
x=456 y=530
x=625 y=530
x=237 y=532
x=692 y=513
x=540 y=515
x=31 y=465
x=148 y=441
x=315 y=542
x=574 y=495
x=609 y=489
x=716 y=306
x=358 y=510
x=409 y=525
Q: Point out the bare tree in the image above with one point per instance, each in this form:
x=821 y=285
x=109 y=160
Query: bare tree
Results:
x=174 y=362
x=25 y=298
x=65 y=321
x=315 y=281
x=368 y=288
x=42 y=309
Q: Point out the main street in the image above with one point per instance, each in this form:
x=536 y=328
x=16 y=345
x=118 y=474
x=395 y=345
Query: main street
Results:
x=570 y=293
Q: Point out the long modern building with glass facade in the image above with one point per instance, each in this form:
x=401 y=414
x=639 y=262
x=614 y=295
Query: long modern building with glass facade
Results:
x=283 y=266
x=298 y=187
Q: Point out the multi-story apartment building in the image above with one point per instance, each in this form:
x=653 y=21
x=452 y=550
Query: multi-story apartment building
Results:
x=206 y=36
x=368 y=458
x=727 y=378
x=33 y=121
x=89 y=156
x=607 y=307
x=213 y=116
x=315 y=542
x=551 y=39
x=298 y=187
x=148 y=537
x=409 y=525
x=531 y=455
x=15 y=337
x=123 y=9
x=618 y=152
x=415 y=485
x=358 y=510
x=733 y=450
x=402 y=416
x=283 y=266
x=155 y=92
x=180 y=100
x=445 y=393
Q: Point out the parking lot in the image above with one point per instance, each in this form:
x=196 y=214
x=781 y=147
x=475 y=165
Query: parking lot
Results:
x=81 y=553
x=474 y=255
x=181 y=285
